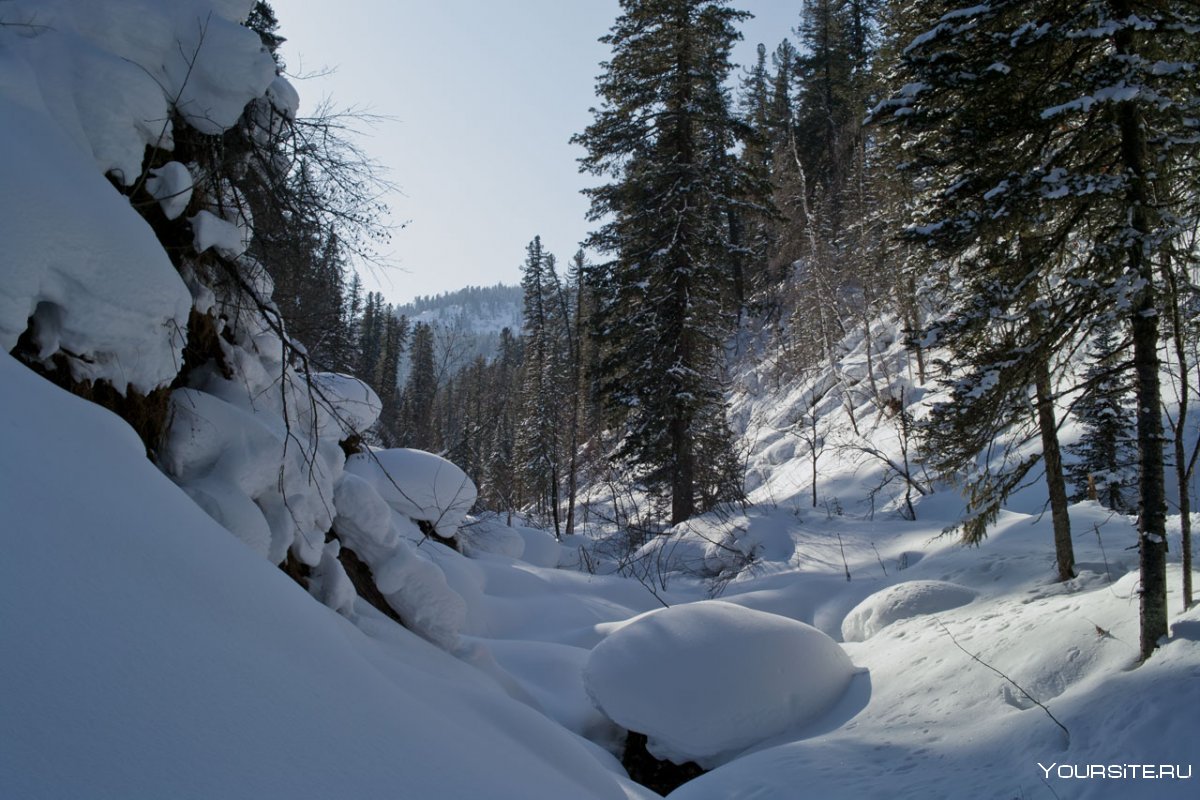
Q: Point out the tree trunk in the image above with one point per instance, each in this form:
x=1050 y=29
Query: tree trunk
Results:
x=815 y=455
x=1064 y=551
x=683 y=473
x=1182 y=468
x=1152 y=496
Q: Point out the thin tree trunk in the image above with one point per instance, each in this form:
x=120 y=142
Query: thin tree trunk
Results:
x=815 y=455
x=1064 y=551
x=1182 y=470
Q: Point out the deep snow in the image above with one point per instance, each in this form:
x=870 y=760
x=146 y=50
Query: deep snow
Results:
x=149 y=648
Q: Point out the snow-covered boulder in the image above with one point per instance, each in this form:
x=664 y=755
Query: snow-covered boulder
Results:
x=350 y=405
x=902 y=601
x=417 y=590
x=706 y=680
x=490 y=535
x=418 y=485
x=80 y=262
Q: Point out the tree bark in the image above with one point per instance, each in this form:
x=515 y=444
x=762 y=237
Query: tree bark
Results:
x=1152 y=496
x=1064 y=551
x=1182 y=467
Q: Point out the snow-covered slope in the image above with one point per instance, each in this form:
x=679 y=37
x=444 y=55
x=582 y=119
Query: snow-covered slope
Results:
x=150 y=648
x=148 y=653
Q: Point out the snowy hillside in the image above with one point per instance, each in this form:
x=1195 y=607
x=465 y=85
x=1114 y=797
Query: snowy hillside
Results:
x=478 y=309
x=466 y=324
x=211 y=589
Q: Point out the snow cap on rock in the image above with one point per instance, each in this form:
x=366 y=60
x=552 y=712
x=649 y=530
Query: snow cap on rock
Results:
x=706 y=680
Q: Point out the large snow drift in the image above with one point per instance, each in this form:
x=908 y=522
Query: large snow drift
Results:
x=902 y=601
x=149 y=654
x=709 y=679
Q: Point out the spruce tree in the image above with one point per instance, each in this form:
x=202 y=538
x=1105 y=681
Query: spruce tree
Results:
x=1052 y=140
x=1106 y=452
x=386 y=380
x=420 y=392
x=503 y=489
x=662 y=137
x=543 y=399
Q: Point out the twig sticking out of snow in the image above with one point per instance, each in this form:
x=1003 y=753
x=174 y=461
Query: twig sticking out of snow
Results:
x=845 y=565
x=879 y=559
x=1018 y=686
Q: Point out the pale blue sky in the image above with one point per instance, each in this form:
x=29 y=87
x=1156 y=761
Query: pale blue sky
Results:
x=484 y=96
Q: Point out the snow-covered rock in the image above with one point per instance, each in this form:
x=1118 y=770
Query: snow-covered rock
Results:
x=244 y=467
x=417 y=590
x=902 y=601
x=418 y=485
x=211 y=232
x=351 y=405
x=489 y=535
x=708 y=679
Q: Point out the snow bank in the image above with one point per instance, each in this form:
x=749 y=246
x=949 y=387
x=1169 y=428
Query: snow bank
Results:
x=418 y=485
x=85 y=89
x=270 y=487
x=708 y=679
x=147 y=654
x=902 y=601
x=78 y=259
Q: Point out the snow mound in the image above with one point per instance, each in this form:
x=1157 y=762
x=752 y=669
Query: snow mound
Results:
x=902 y=601
x=706 y=680
x=171 y=185
x=490 y=535
x=357 y=406
x=418 y=485
x=79 y=261
x=541 y=549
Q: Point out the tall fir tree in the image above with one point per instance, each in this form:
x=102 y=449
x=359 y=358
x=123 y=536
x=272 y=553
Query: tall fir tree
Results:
x=386 y=379
x=543 y=391
x=420 y=392
x=503 y=488
x=663 y=136
x=1052 y=140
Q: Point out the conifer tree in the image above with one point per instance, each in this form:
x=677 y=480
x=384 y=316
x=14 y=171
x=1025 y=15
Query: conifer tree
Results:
x=1050 y=140
x=503 y=489
x=370 y=337
x=540 y=441
x=1107 y=451
x=662 y=136
x=386 y=379
x=420 y=392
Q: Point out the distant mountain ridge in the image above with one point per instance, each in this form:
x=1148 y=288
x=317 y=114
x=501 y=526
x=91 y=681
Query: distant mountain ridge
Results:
x=466 y=323
x=481 y=309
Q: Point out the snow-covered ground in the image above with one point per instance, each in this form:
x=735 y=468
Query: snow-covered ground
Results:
x=149 y=648
x=148 y=653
